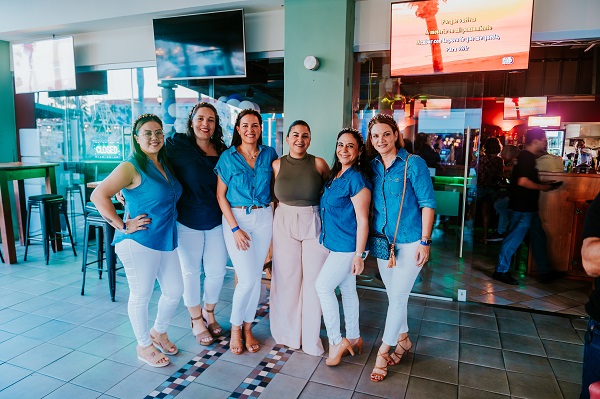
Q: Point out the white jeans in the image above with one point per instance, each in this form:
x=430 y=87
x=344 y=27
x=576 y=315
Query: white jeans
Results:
x=398 y=281
x=337 y=271
x=248 y=264
x=143 y=266
x=201 y=249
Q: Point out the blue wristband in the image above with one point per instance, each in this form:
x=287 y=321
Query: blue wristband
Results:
x=236 y=228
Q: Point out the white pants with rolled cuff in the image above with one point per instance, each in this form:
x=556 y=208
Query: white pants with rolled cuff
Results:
x=337 y=271
x=201 y=249
x=143 y=266
x=398 y=281
x=248 y=264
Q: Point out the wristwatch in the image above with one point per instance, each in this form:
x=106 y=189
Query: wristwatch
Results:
x=426 y=242
x=362 y=255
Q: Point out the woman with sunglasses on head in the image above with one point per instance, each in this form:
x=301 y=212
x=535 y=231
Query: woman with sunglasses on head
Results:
x=298 y=256
x=146 y=240
x=404 y=213
x=244 y=193
x=345 y=217
x=194 y=155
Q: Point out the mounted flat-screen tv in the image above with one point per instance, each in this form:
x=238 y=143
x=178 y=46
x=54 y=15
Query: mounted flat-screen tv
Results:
x=200 y=46
x=44 y=65
x=451 y=36
x=524 y=107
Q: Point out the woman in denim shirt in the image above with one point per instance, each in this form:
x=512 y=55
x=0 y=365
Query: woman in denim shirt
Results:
x=244 y=194
x=345 y=229
x=414 y=232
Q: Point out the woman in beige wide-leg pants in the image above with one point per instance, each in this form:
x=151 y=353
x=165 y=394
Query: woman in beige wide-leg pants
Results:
x=297 y=260
x=297 y=255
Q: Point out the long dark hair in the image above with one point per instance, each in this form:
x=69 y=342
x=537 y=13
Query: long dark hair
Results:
x=236 y=140
x=216 y=139
x=361 y=164
x=386 y=120
x=136 y=150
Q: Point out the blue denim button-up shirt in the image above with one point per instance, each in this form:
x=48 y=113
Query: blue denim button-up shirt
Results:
x=387 y=193
x=338 y=218
x=247 y=186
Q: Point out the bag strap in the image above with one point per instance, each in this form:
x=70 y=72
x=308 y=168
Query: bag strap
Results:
x=402 y=200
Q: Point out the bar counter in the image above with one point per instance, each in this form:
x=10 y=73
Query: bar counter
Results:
x=562 y=212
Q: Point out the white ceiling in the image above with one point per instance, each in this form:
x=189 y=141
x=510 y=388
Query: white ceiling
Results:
x=23 y=20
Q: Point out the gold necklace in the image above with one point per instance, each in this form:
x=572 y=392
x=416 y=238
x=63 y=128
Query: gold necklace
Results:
x=248 y=156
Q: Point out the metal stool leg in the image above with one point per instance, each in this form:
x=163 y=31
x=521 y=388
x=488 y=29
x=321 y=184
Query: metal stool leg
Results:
x=85 y=251
x=27 y=231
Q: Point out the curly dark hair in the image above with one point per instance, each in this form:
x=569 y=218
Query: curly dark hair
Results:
x=236 y=140
x=492 y=146
x=217 y=138
x=361 y=164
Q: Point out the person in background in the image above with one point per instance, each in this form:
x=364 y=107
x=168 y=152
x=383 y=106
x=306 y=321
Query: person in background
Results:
x=146 y=241
x=509 y=155
x=345 y=216
x=424 y=150
x=244 y=193
x=549 y=163
x=413 y=240
x=298 y=256
x=489 y=175
x=193 y=156
x=525 y=187
x=590 y=254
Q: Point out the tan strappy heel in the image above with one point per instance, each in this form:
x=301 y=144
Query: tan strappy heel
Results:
x=400 y=351
x=379 y=373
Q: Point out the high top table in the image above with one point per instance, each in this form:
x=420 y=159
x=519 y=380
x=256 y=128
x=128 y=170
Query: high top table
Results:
x=17 y=172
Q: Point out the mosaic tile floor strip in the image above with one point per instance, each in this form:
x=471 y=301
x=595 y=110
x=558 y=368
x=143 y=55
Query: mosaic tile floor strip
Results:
x=261 y=376
x=192 y=370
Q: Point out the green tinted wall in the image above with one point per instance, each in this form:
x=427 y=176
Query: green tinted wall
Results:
x=8 y=136
x=324 y=29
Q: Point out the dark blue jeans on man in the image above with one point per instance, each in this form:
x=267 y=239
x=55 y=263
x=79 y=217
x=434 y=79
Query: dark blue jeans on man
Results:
x=520 y=224
x=591 y=358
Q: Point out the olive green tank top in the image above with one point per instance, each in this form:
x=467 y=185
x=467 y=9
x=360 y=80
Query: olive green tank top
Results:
x=298 y=182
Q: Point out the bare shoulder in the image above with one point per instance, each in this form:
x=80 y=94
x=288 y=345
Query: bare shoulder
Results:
x=322 y=166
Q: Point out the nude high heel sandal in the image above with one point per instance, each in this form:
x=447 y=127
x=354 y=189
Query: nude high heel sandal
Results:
x=337 y=351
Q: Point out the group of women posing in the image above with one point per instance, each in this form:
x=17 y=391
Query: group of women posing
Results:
x=181 y=217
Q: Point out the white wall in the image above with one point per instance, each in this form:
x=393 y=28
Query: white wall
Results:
x=552 y=20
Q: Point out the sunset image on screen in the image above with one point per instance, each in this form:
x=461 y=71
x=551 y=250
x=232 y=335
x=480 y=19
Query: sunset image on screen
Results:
x=450 y=36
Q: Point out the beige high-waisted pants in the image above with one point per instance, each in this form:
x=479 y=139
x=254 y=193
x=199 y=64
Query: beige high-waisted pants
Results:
x=297 y=260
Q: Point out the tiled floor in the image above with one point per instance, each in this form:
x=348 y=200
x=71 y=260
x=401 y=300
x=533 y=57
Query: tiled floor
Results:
x=55 y=343
x=446 y=273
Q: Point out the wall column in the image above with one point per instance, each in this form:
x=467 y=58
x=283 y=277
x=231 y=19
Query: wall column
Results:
x=8 y=133
x=323 y=98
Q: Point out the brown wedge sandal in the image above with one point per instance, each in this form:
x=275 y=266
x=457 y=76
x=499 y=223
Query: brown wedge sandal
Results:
x=203 y=336
x=252 y=343
x=214 y=328
x=379 y=373
x=396 y=355
x=152 y=357
x=236 y=345
x=162 y=343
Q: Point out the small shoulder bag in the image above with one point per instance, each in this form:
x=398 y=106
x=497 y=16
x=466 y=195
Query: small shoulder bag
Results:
x=379 y=245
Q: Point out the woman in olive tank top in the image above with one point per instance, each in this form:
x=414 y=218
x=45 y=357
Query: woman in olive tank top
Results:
x=297 y=254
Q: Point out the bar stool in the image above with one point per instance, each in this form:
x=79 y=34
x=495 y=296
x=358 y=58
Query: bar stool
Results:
x=104 y=249
x=70 y=194
x=49 y=205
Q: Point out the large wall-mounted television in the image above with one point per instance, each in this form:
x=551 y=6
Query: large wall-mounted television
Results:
x=451 y=36
x=44 y=65
x=200 y=46
x=524 y=107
